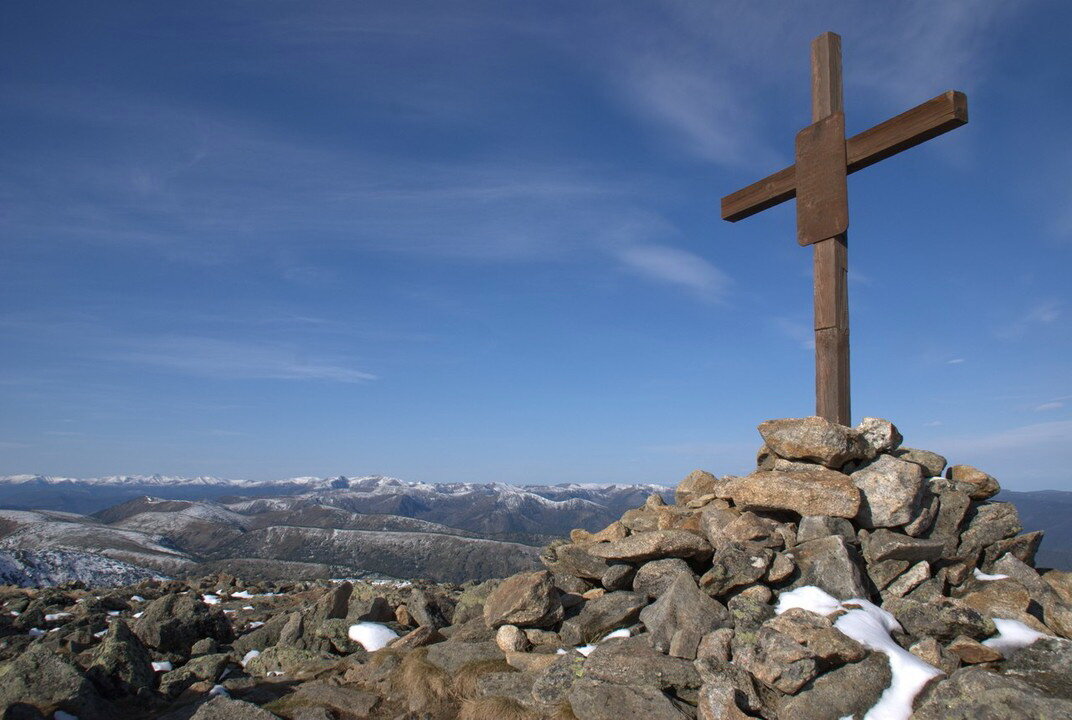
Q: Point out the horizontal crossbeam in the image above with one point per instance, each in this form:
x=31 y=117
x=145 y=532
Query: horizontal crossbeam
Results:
x=923 y=122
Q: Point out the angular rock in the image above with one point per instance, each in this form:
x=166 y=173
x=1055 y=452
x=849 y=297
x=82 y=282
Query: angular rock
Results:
x=813 y=527
x=880 y=436
x=576 y=561
x=653 y=544
x=931 y=652
x=632 y=661
x=121 y=664
x=426 y=611
x=781 y=567
x=953 y=507
x=777 y=661
x=1022 y=547
x=335 y=603
x=223 y=708
x=909 y=580
x=992 y=522
x=973 y=652
x=816 y=633
x=798 y=492
x=982 y=486
x=848 y=691
x=727 y=693
x=943 y=619
x=697 y=484
x=735 y=565
x=591 y=700
x=552 y=685
x=887 y=545
x=884 y=572
x=932 y=463
x=974 y=693
x=613 y=611
x=654 y=577
x=618 y=577
x=525 y=600
x=830 y=564
x=43 y=679
x=1046 y=664
x=890 y=492
x=679 y=619
x=173 y=623
x=812 y=438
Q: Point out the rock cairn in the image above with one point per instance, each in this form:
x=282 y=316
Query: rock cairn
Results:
x=674 y=611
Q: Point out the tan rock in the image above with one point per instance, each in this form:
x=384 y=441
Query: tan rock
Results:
x=799 y=492
x=813 y=438
x=653 y=544
x=526 y=600
x=530 y=662
x=973 y=652
x=510 y=638
x=983 y=486
x=696 y=484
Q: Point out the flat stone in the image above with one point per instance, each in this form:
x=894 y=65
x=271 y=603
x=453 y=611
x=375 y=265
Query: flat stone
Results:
x=612 y=611
x=932 y=463
x=781 y=568
x=942 y=618
x=886 y=571
x=1046 y=664
x=728 y=692
x=776 y=660
x=618 y=577
x=680 y=618
x=576 y=561
x=1022 y=547
x=973 y=652
x=653 y=544
x=909 y=580
x=816 y=633
x=592 y=700
x=552 y=685
x=888 y=545
x=933 y=653
x=632 y=661
x=451 y=656
x=813 y=438
x=798 y=492
x=525 y=600
x=983 y=486
x=974 y=693
x=831 y=564
x=890 y=492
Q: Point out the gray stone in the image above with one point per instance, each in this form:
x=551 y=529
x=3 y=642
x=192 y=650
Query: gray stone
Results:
x=222 y=708
x=886 y=571
x=880 y=436
x=890 y=492
x=525 y=600
x=450 y=656
x=953 y=507
x=848 y=691
x=425 y=610
x=679 y=619
x=943 y=618
x=632 y=661
x=909 y=580
x=592 y=700
x=618 y=577
x=734 y=566
x=121 y=664
x=654 y=577
x=1046 y=664
x=933 y=653
x=654 y=544
x=173 y=623
x=552 y=685
x=819 y=636
x=728 y=692
x=1022 y=547
x=333 y=604
x=576 y=561
x=888 y=545
x=798 y=492
x=992 y=522
x=932 y=463
x=813 y=438
x=716 y=644
x=47 y=681
x=813 y=527
x=612 y=611
x=776 y=660
x=924 y=519
x=829 y=563
x=976 y=694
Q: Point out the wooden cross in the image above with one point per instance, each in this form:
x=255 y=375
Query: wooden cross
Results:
x=818 y=181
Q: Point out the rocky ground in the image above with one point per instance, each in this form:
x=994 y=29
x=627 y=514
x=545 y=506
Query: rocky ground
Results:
x=848 y=577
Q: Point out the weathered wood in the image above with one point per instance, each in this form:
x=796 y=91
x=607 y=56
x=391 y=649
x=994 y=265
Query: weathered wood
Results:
x=928 y=120
x=822 y=220
x=822 y=190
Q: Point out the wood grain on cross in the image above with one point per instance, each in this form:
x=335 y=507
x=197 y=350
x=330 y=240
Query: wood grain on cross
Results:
x=818 y=181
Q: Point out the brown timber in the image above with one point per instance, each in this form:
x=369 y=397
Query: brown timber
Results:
x=929 y=120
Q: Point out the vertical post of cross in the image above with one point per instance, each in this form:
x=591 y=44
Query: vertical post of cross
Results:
x=831 y=257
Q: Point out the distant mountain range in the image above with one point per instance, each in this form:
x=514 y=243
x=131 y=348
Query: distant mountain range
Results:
x=113 y=529
x=302 y=527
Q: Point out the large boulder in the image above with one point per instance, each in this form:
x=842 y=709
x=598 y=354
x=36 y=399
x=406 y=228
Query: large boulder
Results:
x=832 y=564
x=890 y=490
x=814 y=439
x=653 y=544
x=121 y=664
x=43 y=679
x=974 y=693
x=981 y=486
x=173 y=623
x=612 y=611
x=680 y=618
x=593 y=700
x=525 y=600
x=801 y=492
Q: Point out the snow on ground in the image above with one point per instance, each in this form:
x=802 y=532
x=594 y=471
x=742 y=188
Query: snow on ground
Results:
x=210 y=599
x=1012 y=635
x=162 y=666
x=979 y=575
x=250 y=655
x=586 y=650
x=870 y=625
x=371 y=636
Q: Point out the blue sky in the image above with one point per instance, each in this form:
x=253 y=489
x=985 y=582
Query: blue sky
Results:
x=481 y=241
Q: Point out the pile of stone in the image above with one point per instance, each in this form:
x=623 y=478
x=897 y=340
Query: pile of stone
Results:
x=675 y=611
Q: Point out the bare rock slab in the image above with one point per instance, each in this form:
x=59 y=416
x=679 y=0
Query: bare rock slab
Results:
x=653 y=544
x=802 y=492
x=813 y=438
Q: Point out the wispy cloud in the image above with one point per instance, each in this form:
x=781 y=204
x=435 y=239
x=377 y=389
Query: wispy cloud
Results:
x=1054 y=405
x=1013 y=439
x=1042 y=313
x=798 y=331
x=212 y=357
x=676 y=267
x=955 y=361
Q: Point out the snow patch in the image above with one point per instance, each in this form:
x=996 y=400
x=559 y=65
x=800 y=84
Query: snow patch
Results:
x=1012 y=635
x=210 y=599
x=250 y=655
x=979 y=575
x=53 y=617
x=162 y=666
x=870 y=626
x=371 y=636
